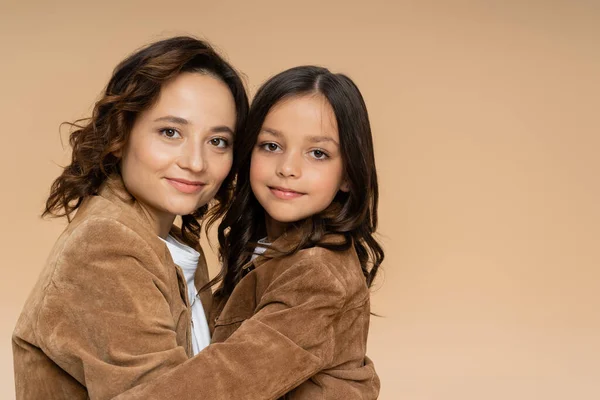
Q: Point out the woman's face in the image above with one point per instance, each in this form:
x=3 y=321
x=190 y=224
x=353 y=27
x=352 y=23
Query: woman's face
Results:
x=180 y=149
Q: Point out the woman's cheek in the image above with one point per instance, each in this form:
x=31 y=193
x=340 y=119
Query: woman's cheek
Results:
x=222 y=165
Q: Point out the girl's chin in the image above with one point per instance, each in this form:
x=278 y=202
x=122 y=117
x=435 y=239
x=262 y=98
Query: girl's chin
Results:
x=282 y=218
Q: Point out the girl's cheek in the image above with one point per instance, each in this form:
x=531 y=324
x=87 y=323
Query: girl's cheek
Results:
x=258 y=166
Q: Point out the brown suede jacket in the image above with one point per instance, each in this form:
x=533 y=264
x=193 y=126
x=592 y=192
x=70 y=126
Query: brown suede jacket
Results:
x=109 y=310
x=109 y=318
x=319 y=299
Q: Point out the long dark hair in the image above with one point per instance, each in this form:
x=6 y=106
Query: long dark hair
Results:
x=352 y=214
x=134 y=86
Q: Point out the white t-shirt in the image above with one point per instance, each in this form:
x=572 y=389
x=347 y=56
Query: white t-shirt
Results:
x=259 y=250
x=187 y=259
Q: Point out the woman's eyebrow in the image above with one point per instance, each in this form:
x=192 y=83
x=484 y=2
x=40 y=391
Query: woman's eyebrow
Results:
x=173 y=119
x=222 y=129
x=182 y=121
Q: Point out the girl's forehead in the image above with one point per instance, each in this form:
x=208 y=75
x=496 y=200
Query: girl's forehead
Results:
x=306 y=116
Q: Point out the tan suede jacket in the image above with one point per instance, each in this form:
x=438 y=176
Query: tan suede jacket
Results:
x=109 y=310
x=319 y=299
x=294 y=327
x=108 y=318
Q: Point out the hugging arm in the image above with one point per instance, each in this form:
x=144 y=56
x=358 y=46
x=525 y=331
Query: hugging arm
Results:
x=105 y=317
x=286 y=342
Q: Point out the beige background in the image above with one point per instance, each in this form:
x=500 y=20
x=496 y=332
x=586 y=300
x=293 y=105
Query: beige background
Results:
x=487 y=132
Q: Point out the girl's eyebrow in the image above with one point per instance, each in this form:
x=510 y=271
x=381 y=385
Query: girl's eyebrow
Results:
x=319 y=139
x=312 y=139
x=272 y=131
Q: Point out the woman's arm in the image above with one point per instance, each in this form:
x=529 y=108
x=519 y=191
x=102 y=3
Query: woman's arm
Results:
x=286 y=342
x=106 y=318
x=106 y=321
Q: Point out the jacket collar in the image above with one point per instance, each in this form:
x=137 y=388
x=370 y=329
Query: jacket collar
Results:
x=287 y=242
x=113 y=189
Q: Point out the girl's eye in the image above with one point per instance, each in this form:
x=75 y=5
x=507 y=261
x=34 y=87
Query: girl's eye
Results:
x=219 y=142
x=319 y=154
x=271 y=147
x=170 y=133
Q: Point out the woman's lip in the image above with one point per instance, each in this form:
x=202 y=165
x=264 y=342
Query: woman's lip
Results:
x=186 y=181
x=186 y=186
x=284 y=194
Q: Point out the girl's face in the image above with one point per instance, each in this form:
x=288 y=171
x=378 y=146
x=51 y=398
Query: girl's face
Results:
x=296 y=168
x=179 y=150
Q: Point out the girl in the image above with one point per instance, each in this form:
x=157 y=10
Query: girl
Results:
x=307 y=184
x=111 y=309
x=293 y=321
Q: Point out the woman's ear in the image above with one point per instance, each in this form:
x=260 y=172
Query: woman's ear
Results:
x=119 y=152
x=345 y=186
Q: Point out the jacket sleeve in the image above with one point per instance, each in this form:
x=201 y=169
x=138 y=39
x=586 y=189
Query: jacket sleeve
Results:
x=105 y=317
x=287 y=341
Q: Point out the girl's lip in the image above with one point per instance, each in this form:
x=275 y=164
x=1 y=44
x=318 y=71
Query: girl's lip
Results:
x=282 y=189
x=284 y=193
x=185 y=186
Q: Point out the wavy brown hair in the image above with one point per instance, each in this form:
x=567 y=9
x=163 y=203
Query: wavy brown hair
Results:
x=134 y=86
x=353 y=215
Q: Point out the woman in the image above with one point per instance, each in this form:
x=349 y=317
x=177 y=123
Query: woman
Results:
x=111 y=309
x=110 y=314
x=292 y=312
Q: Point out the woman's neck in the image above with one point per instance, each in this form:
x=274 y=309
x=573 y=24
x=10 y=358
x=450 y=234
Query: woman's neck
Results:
x=161 y=222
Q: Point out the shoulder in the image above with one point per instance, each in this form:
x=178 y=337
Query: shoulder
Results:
x=321 y=266
x=102 y=254
x=97 y=232
x=103 y=210
x=342 y=263
x=108 y=222
x=104 y=235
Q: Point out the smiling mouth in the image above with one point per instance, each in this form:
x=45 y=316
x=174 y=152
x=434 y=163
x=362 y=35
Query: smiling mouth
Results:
x=285 y=194
x=185 y=186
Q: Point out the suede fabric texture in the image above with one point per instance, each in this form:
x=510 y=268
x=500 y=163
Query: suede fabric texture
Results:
x=319 y=299
x=293 y=328
x=109 y=310
x=109 y=318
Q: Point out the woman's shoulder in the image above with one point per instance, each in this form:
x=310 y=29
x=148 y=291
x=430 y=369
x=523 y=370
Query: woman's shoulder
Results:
x=113 y=208
x=101 y=223
x=114 y=211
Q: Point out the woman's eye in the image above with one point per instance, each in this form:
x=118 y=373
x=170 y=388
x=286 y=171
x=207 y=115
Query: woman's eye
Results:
x=319 y=154
x=219 y=142
x=170 y=133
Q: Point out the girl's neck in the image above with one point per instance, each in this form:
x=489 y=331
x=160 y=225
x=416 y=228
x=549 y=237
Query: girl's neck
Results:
x=274 y=228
